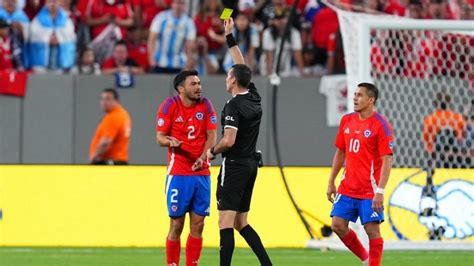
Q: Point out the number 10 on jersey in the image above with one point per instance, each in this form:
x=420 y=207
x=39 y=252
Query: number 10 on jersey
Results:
x=354 y=145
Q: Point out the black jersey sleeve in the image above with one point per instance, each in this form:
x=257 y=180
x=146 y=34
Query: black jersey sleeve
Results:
x=231 y=115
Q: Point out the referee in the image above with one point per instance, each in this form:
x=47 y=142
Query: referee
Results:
x=241 y=122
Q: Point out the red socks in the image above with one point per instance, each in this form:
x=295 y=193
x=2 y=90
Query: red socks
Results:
x=173 y=250
x=375 y=251
x=193 y=250
x=353 y=243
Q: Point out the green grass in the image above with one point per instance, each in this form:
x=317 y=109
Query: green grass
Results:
x=156 y=256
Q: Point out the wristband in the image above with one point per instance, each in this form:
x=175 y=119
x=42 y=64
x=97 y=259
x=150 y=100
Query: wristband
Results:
x=230 y=40
x=380 y=191
x=212 y=151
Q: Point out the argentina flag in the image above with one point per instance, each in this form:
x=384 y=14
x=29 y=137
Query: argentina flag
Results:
x=42 y=28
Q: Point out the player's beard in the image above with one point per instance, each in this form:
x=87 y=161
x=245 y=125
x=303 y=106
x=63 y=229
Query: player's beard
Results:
x=194 y=97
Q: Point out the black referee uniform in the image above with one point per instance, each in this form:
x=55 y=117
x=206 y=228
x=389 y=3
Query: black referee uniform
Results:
x=239 y=166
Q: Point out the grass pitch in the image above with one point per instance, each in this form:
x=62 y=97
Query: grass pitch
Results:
x=10 y=256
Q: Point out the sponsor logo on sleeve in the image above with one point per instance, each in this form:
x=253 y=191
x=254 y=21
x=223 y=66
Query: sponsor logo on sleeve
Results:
x=213 y=119
x=229 y=118
x=199 y=116
x=160 y=122
x=391 y=145
x=367 y=133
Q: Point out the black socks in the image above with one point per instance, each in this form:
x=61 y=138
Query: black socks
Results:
x=253 y=240
x=226 y=246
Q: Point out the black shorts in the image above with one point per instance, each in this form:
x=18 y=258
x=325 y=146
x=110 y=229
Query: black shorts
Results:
x=235 y=184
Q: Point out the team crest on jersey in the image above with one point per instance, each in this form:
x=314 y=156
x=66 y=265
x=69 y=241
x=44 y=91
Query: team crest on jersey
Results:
x=213 y=119
x=199 y=116
x=160 y=122
x=367 y=133
x=174 y=208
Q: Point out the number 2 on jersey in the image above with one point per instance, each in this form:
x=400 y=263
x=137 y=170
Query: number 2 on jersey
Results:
x=190 y=132
x=354 y=145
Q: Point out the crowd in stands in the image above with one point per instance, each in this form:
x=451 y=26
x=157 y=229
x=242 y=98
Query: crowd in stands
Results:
x=166 y=36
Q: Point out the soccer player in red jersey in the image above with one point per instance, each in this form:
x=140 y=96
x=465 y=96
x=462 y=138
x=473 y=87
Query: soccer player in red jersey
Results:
x=187 y=125
x=364 y=142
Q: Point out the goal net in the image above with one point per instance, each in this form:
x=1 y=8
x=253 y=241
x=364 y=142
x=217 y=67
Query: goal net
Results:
x=425 y=73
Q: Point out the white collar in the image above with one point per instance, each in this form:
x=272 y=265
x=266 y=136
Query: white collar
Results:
x=242 y=93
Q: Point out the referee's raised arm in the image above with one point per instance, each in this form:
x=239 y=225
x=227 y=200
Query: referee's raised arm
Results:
x=231 y=43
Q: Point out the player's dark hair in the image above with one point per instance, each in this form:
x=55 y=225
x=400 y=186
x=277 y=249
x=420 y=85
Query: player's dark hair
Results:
x=372 y=90
x=120 y=42
x=243 y=74
x=113 y=92
x=181 y=77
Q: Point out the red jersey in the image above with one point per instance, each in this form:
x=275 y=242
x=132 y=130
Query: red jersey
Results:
x=99 y=8
x=364 y=143
x=189 y=125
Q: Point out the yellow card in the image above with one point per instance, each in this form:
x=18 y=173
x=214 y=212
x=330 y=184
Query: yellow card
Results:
x=226 y=13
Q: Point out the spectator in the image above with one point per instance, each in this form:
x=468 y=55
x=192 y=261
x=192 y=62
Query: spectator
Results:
x=272 y=37
x=467 y=9
x=209 y=26
x=440 y=129
x=311 y=68
x=52 y=41
x=171 y=40
x=436 y=9
x=32 y=7
x=109 y=146
x=373 y=6
x=86 y=64
x=16 y=17
x=19 y=5
x=206 y=63
x=325 y=23
x=10 y=51
x=247 y=37
x=265 y=11
x=415 y=9
x=146 y=10
x=335 y=63
x=136 y=46
x=19 y=27
x=120 y=62
x=101 y=13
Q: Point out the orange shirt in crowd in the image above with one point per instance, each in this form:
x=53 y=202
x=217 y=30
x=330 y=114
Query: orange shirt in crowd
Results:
x=115 y=125
x=439 y=120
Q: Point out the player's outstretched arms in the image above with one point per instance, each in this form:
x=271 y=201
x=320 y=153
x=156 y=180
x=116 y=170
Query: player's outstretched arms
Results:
x=234 y=49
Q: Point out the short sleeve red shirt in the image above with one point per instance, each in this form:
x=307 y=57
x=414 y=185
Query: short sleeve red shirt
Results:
x=189 y=125
x=364 y=143
x=98 y=8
